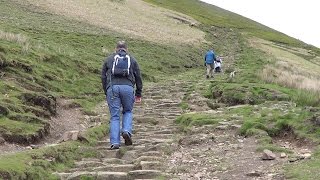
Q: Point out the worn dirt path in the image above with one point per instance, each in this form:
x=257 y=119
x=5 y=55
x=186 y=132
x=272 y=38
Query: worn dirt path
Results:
x=69 y=118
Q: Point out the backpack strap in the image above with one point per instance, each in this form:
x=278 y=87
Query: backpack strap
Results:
x=129 y=62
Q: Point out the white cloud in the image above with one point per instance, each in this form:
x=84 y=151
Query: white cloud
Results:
x=298 y=19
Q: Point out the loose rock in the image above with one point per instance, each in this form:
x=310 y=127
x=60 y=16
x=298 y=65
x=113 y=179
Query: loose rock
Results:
x=254 y=174
x=268 y=155
x=283 y=155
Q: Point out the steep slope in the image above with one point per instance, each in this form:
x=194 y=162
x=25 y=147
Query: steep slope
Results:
x=50 y=56
x=53 y=50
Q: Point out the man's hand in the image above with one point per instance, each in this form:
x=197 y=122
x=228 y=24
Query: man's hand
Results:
x=137 y=99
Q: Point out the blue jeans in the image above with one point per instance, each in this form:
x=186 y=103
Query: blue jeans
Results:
x=120 y=96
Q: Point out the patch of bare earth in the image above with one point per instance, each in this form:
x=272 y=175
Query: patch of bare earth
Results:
x=136 y=18
x=69 y=118
x=218 y=152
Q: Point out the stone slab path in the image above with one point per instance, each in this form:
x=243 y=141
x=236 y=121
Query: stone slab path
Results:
x=161 y=150
x=153 y=138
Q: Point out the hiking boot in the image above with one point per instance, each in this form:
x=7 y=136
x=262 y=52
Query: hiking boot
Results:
x=127 y=138
x=114 y=146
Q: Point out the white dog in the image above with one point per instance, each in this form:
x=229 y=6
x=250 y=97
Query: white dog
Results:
x=232 y=74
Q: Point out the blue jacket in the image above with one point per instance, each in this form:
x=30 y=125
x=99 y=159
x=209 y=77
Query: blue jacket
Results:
x=210 y=57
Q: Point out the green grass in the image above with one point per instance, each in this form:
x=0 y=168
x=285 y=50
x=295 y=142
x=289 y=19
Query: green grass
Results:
x=305 y=170
x=197 y=119
x=8 y=126
x=39 y=163
x=244 y=93
x=64 y=58
x=61 y=57
x=275 y=119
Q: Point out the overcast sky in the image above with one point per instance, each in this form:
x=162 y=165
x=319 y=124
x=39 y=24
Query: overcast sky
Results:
x=296 y=18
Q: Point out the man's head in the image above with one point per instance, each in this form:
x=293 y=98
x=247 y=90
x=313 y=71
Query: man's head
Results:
x=121 y=45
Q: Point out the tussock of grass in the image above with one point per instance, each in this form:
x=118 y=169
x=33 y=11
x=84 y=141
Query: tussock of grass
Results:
x=270 y=119
x=19 y=38
x=308 y=98
x=244 y=93
x=8 y=126
x=197 y=119
x=290 y=76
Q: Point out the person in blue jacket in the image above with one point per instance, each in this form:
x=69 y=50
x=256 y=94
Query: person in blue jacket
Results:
x=209 y=59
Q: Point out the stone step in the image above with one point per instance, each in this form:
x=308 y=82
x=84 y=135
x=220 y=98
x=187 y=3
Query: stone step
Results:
x=130 y=155
x=170 y=114
x=137 y=147
x=165 y=131
x=62 y=176
x=143 y=135
x=147 y=120
x=154 y=136
x=150 y=153
x=158 y=140
x=91 y=159
x=100 y=175
x=144 y=174
x=78 y=174
x=103 y=143
x=114 y=161
x=115 y=168
x=85 y=164
x=153 y=141
x=157 y=147
x=156 y=128
x=171 y=117
x=174 y=104
x=112 y=175
x=106 y=153
x=148 y=158
x=151 y=165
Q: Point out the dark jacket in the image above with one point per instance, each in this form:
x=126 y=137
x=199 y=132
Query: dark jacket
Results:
x=133 y=79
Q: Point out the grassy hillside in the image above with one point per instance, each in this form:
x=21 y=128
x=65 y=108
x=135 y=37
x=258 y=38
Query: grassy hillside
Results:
x=49 y=52
x=46 y=56
x=210 y=15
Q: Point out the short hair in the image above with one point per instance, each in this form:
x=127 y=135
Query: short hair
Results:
x=121 y=45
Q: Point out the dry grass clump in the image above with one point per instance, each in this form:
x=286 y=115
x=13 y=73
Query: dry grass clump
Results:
x=291 y=76
x=18 y=38
x=136 y=18
x=289 y=69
